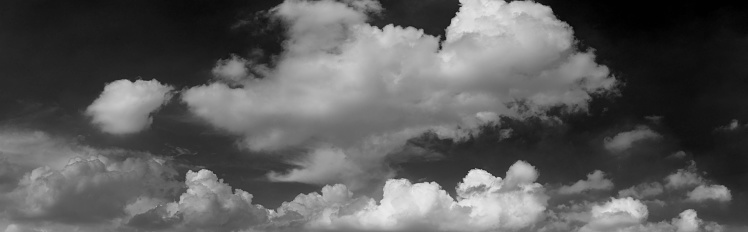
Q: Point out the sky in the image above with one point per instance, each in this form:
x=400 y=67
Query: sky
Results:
x=367 y=115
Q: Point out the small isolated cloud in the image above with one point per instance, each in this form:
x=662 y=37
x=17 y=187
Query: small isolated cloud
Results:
x=595 y=181
x=734 y=125
x=642 y=191
x=678 y=155
x=125 y=107
x=710 y=192
x=625 y=140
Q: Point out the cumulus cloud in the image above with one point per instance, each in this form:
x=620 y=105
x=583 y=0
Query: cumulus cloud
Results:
x=344 y=83
x=684 y=178
x=207 y=205
x=642 y=191
x=710 y=192
x=484 y=202
x=628 y=214
x=90 y=189
x=233 y=69
x=625 y=140
x=59 y=184
x=615 y=214
x=595 y=181
x=124 y=107
x=687 y=221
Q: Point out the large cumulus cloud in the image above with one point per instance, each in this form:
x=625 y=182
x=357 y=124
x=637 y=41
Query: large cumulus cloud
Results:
x=343 y=83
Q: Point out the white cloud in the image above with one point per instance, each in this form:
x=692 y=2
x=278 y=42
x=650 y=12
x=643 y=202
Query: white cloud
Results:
x=595 y=181
x=124 y=107
x=625 y=140
x=31 y=149
x=710 y=192
x=208 y=204
x=341 y=82
x=59 y=184
x=642 y=191
x=484 y=202
x=734 y=125
x=617 y=213
x=334 y=165
x=90 y=188
x=684 y=178
x=232 y=70
x=630 y=215
x=687 y=221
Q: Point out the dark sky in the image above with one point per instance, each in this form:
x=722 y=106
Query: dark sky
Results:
x=685 y=62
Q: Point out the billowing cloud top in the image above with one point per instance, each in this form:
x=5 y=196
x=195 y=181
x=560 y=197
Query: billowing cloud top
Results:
x=352 y=93
x=124 y=107
x=341 y=80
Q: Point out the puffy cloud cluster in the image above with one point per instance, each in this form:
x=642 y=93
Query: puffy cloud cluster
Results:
x=625 y=140
x=341 y=82
x=207 y=205
x=616 y=214
x=57 y=183
x=90 y=189
x=625 y=214
x=703 y=191
x=595 y=181
x=124 y=107
x=484 y=202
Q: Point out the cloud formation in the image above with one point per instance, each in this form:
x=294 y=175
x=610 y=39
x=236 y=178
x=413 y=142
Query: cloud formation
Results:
x=642 y=191
x=710 y=192
x=89 y=189
x=125 y=107
x=343 y=83
x=595 y=181
x=625 y=140
x=484 y=202
x=628 y=214
x=207 y=205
